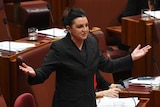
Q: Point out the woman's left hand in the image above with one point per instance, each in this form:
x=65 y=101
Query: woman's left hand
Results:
x=114 y=86
x=140 y=52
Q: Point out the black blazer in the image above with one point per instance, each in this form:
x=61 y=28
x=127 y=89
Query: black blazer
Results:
x=74 y=75
x=134 y=7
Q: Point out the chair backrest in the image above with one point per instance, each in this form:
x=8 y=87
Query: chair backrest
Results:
x=3 y=27
x=99 y=35
x=2 y=100
x=43 y=92
x=25 y=100
x=34 y=57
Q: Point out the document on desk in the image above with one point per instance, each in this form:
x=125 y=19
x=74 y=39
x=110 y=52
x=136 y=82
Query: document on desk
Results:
x=109 y=102
x=155 y=14
x=145 y=80
x=15 y=46
x=53 y=32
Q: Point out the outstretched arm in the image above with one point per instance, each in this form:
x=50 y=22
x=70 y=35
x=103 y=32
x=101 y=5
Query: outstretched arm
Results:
x=27 y=70
x=139 y=52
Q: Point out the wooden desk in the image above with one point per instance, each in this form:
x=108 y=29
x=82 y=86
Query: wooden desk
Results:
x=143 y=102
x=133 y=91
x=136 y=31
x=155 y=96
x=2 y=101
x=8 y=69
x=142 y=92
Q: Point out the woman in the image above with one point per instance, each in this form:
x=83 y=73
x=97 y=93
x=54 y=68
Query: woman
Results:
x=76 y=58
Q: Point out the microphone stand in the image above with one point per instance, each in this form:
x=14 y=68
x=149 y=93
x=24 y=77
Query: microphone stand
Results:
x=123 y=85
x=8 y=33
x=49 y=8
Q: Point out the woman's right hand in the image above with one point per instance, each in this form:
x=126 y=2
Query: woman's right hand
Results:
x=27 y=70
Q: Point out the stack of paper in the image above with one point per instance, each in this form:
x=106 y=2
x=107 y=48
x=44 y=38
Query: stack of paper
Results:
x=110 y=102
x=155 y=14
x=53 y=32
x=145 y=80
x=15 y=46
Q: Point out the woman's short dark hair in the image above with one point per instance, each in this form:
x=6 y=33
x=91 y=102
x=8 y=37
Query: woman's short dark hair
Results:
x=70 y=14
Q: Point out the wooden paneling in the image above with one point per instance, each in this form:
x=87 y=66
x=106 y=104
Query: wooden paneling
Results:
x=101 y=13
x=57 y=8
x=136 y=31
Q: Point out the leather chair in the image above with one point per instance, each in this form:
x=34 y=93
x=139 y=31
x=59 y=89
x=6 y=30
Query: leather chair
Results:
x=3 y=27
x=2 y=100
x=111 y=52
x=25 y=100
x=30 y=13
x=27 y=13
x=43 y=92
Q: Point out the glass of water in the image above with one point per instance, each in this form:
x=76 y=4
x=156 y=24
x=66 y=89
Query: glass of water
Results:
x=32 y=33
x=145 y=14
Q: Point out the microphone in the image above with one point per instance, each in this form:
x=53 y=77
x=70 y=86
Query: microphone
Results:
x=122 y=83
x=8 y=33
x=51 y=15
x=155 y=63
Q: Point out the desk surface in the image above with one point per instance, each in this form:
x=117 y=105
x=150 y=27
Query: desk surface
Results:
x=42 y=40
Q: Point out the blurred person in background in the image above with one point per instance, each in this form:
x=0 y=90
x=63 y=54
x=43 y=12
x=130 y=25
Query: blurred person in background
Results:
x=134 y=7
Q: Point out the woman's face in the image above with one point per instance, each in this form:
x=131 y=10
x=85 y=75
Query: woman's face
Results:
x=79 y=29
